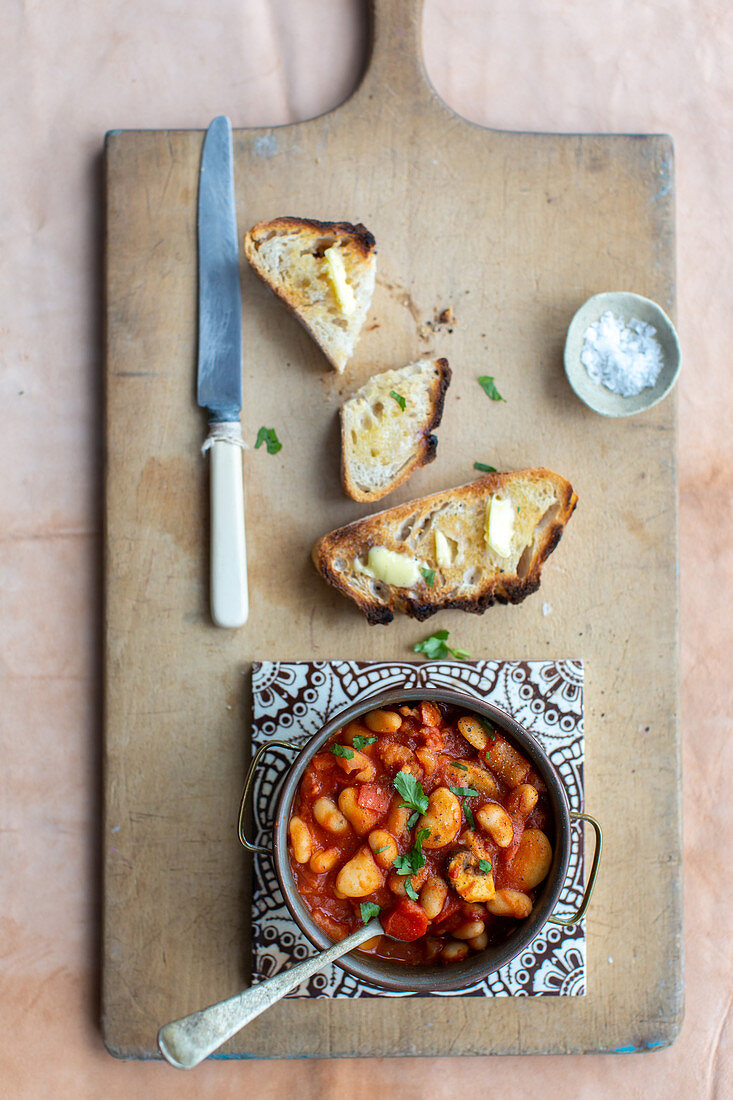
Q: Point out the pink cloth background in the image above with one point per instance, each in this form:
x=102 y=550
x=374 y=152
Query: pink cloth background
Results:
x=69 y=72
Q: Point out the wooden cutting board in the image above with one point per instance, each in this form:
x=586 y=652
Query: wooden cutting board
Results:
x=513 y=231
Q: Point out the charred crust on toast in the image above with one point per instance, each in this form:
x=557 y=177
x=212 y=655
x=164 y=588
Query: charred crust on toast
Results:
x=443 y=383
x=430 y=450
x=362 y=238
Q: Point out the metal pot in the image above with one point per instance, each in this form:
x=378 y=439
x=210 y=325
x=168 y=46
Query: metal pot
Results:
x=422 y=979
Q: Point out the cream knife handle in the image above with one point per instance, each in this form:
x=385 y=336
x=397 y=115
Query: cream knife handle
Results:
x=229 y=595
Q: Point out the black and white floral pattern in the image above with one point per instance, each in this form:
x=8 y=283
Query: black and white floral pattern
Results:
x=294 y=699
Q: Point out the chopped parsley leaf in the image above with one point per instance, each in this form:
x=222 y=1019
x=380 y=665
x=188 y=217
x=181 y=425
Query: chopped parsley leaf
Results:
x=369 y=910
x=484 y=468
x=469 y=815
x=411 y=862
x=268 y=436
x=435 y=647
x=378 y=850
x=360 y=742
x=486 y=382
x=343 y=750
x=465 y=792
x=412 y=791
x=398 y=398
x=484 y=865
x=429 y=575
x=410 y=890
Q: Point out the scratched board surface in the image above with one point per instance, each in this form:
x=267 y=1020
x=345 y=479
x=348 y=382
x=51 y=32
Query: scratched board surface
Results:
x=513 y=231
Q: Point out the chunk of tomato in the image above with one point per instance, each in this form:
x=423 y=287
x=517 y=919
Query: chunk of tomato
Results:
x=407 y=921
x=372 y=796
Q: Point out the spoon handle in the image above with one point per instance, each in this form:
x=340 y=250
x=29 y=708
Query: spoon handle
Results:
x=186 y=1042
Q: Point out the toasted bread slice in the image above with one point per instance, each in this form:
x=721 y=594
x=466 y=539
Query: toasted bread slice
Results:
x=378 y=562
x=382 y=442
x=324 y=271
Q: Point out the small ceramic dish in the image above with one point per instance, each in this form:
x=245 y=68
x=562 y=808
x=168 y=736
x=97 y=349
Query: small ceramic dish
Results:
x=626 y=306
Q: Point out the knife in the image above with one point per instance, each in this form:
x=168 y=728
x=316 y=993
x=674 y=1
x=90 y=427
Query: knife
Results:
x=220 y=372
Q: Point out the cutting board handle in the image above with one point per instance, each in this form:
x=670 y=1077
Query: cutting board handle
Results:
x=395 y=65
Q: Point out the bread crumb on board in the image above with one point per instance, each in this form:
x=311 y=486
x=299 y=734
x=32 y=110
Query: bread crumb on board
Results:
x=443 y=320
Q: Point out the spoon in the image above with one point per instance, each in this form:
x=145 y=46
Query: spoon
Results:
x=186 y=1042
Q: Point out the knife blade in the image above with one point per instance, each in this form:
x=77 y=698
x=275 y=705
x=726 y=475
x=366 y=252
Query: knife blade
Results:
x=219 y=386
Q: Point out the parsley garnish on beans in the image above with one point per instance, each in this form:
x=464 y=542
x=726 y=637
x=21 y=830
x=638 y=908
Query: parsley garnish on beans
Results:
x=343 y=750
x=411 y=862
x=412 y=791
x=369 y=910
x=361 y=742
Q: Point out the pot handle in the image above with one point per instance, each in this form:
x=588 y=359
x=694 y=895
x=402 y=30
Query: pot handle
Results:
x=578 y=916
x=249 y=779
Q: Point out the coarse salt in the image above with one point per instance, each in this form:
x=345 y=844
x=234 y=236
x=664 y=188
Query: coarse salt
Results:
x=623 y=356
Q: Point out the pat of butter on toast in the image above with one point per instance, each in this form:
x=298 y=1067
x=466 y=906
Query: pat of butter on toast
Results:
x=500 y=526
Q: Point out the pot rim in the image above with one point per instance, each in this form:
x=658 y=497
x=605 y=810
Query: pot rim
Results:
x=423 y=979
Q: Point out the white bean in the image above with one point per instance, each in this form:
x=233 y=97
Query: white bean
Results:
x=510 y=903
x=352 y=729
x=324 y=861
x=360 y=876
x=384 y=846
x=443 y=818
x=507 y=762
x=397 y=818
x=454 y=951
x=532 y=860
x=383 y=721
x=469 y=930
x=363 y=820
x=522 y=799
x=473 y=731
x=496 y=821
x=328 y=815
x=300 y=839
x=469 y=774
x=432 y=897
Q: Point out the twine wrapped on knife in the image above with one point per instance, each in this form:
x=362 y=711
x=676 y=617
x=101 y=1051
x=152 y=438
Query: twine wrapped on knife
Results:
x=229 y=431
